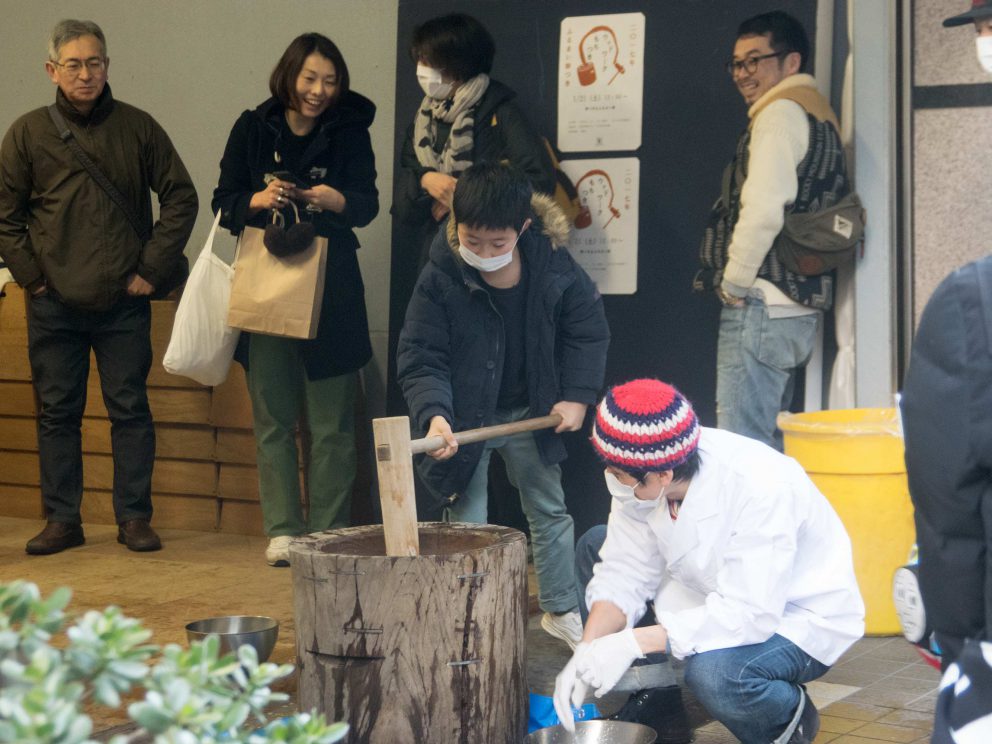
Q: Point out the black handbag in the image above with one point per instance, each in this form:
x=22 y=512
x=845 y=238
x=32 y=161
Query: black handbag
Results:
x=181 y=271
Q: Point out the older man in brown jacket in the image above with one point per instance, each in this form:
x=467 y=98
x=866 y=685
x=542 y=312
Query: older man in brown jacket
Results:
x=91 y=269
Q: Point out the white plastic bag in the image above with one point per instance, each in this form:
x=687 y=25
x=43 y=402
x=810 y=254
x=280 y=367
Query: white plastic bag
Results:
x=202 y=343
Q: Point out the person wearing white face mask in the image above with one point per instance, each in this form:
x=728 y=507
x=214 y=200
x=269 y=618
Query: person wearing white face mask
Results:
x=748 y=566
x=981 y=15
x=504 y=325
x=465 y=117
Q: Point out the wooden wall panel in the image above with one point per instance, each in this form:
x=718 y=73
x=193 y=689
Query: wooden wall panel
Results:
x=23 y=502
x=236 y=446
x=170 y=511
x=14 y=363
x=230 y=405
x=18 y=434
x=169 y=405
x=16 y=398
x=241 y=517
x=169 y=476
x=172 y=441
x=19 y=468
x=13 y=316
x=238 y=482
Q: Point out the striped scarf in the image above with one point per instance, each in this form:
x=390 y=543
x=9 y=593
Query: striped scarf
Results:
x=459 y=111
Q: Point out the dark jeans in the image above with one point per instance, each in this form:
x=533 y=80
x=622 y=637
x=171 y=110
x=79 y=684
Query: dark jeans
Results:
x=59 y=342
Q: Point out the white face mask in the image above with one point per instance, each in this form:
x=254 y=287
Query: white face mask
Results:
x=486 y=265
x=625 y=494
x=432 y=84
x=983 y=45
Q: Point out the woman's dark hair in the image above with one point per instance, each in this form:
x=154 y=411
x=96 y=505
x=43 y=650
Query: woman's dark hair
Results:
x=455 y=43
x=282 y=82
x=786 y=34
x=492 y=196
x=682 y=473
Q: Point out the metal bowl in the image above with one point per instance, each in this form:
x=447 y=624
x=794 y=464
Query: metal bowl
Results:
x=594 y=732
x=237 y=630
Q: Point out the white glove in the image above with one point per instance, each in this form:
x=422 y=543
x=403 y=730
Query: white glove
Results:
x=607 y=658
x=570 y=691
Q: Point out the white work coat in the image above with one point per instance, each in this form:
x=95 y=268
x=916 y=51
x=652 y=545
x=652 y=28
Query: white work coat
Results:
x=756 y=550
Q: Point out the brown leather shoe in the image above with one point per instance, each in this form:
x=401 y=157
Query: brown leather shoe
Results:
x=138 y=535
x=56 y=537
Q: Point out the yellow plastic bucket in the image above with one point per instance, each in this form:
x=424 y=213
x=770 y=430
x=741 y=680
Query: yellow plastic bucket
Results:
x=855 y=457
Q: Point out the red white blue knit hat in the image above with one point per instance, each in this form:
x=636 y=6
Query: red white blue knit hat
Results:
x=645 y=425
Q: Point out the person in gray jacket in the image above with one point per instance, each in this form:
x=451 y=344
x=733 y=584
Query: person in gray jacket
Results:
x=91 y=274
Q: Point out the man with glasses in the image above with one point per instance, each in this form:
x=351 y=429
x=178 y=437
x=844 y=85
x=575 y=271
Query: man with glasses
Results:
x=788 y=160
x=90 y=257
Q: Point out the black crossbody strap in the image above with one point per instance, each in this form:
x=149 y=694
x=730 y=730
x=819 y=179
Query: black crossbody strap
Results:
x=116 y=196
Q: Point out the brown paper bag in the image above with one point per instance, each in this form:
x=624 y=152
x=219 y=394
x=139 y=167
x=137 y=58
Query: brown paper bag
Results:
x=277 y=296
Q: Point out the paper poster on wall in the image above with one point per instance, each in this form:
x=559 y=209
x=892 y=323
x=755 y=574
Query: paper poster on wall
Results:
x=600 y=82
x=604 y=239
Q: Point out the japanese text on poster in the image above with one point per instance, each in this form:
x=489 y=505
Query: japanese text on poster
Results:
x=601 y=82
x=604 y=240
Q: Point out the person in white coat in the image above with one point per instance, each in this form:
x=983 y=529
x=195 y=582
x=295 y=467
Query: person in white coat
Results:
x=748 y=565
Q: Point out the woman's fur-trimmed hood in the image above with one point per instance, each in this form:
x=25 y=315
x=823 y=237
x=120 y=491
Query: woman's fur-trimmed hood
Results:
x=551 y=220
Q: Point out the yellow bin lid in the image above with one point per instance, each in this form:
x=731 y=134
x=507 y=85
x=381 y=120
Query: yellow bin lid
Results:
x=852 y=440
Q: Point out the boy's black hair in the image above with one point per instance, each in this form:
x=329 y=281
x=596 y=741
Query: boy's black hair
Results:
x=492 y=196
x=456 y=43
x=682 y=473
x=785 y=32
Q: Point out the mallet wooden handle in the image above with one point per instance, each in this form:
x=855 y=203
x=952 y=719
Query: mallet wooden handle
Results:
x=428 y=444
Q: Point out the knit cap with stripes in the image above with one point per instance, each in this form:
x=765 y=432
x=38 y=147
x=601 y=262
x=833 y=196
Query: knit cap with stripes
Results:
x=645 y=425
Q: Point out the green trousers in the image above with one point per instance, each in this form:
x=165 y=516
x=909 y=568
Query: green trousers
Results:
x=282 y=396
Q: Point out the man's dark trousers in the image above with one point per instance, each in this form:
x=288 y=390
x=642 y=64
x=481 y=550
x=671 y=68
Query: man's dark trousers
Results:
x=59 y=342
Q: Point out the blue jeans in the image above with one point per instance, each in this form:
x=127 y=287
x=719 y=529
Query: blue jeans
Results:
x=757 y=360
x=543 y=501
x=752 y=690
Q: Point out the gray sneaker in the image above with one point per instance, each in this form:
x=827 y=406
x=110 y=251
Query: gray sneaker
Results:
x=566 y=627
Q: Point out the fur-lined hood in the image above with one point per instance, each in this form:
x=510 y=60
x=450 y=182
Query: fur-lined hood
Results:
x=551 y=220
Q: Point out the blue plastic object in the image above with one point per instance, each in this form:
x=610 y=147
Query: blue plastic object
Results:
x=542 y=713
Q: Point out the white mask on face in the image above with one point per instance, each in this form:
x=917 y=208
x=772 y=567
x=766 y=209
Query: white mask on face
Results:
x=432 y=84
x=625 y=494
x=486 y=265
x=983 y=45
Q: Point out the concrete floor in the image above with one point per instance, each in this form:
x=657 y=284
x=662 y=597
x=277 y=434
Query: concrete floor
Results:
x=879 y=691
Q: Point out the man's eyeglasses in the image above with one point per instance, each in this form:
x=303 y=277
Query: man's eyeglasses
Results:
x=749 y=65
x=73 y=67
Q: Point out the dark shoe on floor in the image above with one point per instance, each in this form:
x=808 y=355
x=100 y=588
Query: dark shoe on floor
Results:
x=56 y=537
x=809 y=722
x=138 y=535
x=661 y=709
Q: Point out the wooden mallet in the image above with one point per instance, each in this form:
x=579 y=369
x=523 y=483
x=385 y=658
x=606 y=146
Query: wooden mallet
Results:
x=394 y=451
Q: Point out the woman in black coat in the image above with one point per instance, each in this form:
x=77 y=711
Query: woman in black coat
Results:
x=309 y=143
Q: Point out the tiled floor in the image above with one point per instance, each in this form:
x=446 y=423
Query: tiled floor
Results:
x=879 y=691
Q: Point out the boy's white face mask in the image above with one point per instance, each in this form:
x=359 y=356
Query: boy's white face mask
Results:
x=432 y=83
x=983 y=45
x=486 y=265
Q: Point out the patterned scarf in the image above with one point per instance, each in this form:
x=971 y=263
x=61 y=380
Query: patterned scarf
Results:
x=459 y=112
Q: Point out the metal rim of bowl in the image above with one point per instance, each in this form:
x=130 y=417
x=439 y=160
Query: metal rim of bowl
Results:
x=264 y=624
